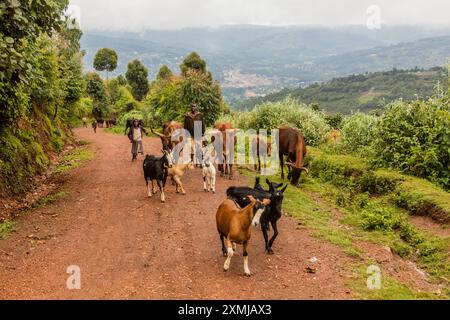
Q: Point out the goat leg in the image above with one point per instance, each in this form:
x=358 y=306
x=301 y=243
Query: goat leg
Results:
x=265 y=229
x=149 y=190
x=275 y=235
x=245 y=254
x=224 y=249
x=230 y=253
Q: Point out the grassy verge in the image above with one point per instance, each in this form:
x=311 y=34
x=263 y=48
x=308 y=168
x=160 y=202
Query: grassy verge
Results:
x=74 y=159
x=366 y=216
x=390 y=289
x=5 y=229
x=417 y=196
x=49 y=199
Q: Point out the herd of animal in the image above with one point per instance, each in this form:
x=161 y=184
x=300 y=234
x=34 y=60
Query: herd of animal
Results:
x=244 y=207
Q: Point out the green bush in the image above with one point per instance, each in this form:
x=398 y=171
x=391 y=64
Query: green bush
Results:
x=288 y=112
x=415 y=137
x=380 y=219
x=358 y=132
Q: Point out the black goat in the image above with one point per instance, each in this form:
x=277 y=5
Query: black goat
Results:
x=273 y=211
x=156 y=169
x=272 y=185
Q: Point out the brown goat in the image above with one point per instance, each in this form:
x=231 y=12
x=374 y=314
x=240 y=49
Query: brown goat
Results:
x=234 y=226
x=176 y=172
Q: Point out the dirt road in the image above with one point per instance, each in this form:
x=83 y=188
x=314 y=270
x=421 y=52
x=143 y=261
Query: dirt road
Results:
x=131 y=247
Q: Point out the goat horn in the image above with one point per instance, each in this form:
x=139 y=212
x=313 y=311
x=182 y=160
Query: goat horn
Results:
x=305 y=169
x=158 y=134
x=290 y=164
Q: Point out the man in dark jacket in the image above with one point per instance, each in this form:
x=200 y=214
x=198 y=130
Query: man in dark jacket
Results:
x=136 y=134
x=190 y=120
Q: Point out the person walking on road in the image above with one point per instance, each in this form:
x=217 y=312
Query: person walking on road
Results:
x=135 y=134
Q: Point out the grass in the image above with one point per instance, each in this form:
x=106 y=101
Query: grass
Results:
x=74 y=159
x=390 y=289
x=6 y=228
x=369 y=218
x=49 y=199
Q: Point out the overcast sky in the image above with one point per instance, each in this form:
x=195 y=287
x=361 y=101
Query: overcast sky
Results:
x=136 y=15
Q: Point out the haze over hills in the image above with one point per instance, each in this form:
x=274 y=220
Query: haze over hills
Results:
x=256 y=60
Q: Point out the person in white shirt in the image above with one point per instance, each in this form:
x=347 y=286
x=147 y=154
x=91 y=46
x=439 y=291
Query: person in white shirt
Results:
x=135 y=134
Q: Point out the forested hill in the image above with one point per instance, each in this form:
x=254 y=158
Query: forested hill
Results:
x=363 y=92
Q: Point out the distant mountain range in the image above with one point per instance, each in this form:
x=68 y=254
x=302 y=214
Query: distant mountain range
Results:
x=363 y=92
x=255 y=60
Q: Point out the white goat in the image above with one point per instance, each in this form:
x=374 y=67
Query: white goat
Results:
x=209 y=171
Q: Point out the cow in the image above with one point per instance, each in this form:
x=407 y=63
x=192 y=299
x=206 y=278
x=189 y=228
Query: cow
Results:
x=227 y=164
x=156 y=169
x=100 y=122
x=291 y=143
x=166 y=137
x=257 y=144
x=234 y=227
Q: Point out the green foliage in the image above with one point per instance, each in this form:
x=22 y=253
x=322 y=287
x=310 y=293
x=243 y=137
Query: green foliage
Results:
x=169 y=98
x=22 y=23
x=105 y=60
x=193 y=62
x=96 y=90
x=288 y=112
x=358 y=132
x=40 y=87
x=74 y=159
x=137 y=78
x=5 y=228
x=164 y=73
x=122 y=80
x=334 y=120
x=199 y=88
x=415 y=138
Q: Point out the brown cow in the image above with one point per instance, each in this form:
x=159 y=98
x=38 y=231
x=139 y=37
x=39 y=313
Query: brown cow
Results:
x=226 y=168
x=292 y=144
x=166 y=137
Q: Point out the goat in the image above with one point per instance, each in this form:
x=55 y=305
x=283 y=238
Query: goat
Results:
x=209 y=171
x=157 y=169
x=272 y=185
x=176 y=172
x=272 y=213
x=234 y=227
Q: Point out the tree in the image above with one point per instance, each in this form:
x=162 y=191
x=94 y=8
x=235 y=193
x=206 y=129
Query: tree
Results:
x=137 y=77
x=96 y=90
x=164 y=73
x=122 y=81
x=193 y=62
x=22 y=22
x=105 y=60
x=199 y=88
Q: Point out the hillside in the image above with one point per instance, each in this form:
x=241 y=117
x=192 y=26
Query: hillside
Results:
x=363 y=92
x=256 y=60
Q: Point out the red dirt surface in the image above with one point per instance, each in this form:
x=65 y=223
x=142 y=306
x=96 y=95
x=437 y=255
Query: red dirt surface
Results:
x=131 y=247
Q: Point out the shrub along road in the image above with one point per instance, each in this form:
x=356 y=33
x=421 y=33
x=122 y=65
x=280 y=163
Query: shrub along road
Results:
x=129 y=246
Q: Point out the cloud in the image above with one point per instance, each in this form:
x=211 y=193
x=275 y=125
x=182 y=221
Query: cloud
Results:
x=136 y=15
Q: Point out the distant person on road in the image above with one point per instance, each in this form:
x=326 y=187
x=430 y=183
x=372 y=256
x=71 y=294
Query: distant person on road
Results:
x=94 y=126
x=189 y=124
x=135 y=134
x=84 y=120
